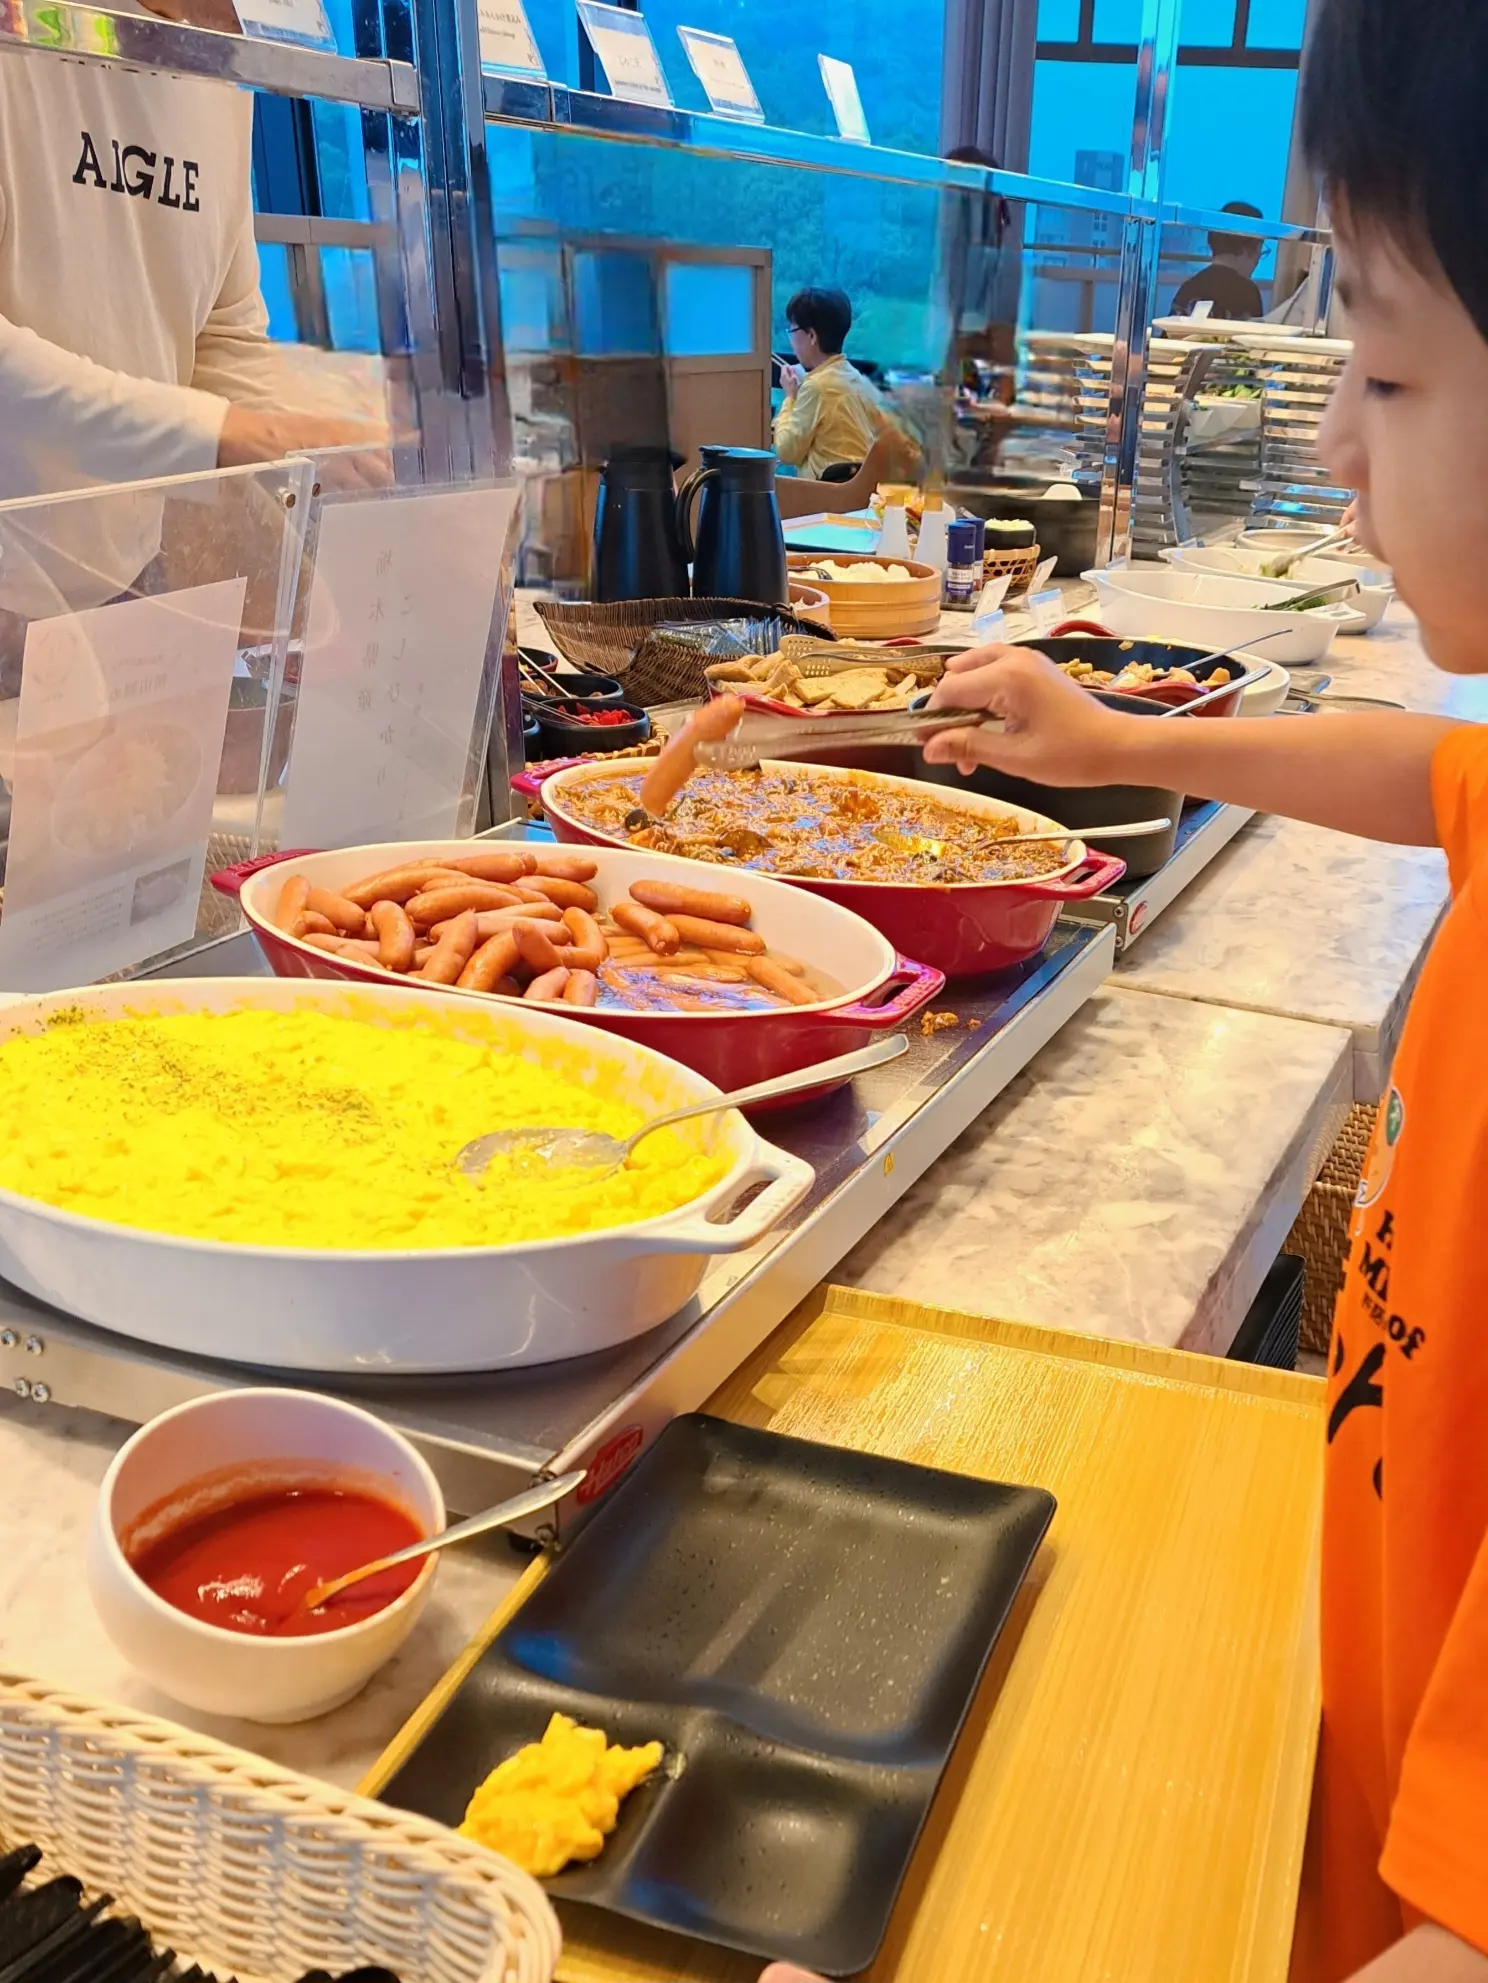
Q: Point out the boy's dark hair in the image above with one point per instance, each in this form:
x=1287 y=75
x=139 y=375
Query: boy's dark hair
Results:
x=825 y=311
x=1234 y=244
x=1393 y=121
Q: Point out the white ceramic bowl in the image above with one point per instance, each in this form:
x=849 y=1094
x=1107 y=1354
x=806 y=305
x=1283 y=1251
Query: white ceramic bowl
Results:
x=264 y=1438
x=1266 y=697
x=1249 y=562
x=384 y=1310
x=1212 y=613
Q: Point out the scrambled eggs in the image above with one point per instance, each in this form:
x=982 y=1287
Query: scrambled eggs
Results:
x=302 y=1129
x=557 y=1799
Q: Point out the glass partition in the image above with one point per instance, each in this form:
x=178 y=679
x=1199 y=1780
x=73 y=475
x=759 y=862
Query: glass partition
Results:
x=144 y=632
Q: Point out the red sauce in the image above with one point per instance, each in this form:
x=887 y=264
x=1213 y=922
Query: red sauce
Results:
x=247 y=1566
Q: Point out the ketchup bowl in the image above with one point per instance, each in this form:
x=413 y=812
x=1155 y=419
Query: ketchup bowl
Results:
x=204 y=1512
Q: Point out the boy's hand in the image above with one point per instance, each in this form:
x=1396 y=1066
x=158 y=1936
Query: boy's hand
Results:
x=1054 y=732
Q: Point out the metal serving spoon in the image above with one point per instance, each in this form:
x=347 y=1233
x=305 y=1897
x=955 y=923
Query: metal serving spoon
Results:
x=590 y=1150
x=530 y=1502
x=924 y=843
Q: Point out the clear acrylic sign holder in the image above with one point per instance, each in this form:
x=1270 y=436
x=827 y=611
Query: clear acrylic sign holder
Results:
x=396 y=666
x=626 y=52
x=144 y=634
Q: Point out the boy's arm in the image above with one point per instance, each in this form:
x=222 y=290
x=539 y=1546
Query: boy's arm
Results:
x=1363 y=774
x=1429 y=1955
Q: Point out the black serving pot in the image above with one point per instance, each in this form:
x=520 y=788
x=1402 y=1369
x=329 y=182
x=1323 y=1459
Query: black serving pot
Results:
x=1081 y=806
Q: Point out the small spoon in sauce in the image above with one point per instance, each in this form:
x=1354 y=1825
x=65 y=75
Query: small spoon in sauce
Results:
x=530 y=1502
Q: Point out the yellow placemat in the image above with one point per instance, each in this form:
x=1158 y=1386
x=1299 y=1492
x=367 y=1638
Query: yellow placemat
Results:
x=1128 y=1799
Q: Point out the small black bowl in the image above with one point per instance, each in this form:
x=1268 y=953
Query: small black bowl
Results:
x=531 y=735
x=594 y=688
x=1015 y=534
x=566 y=736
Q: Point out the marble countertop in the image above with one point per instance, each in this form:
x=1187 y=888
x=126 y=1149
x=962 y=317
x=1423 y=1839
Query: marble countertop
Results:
x=51 y=1461
x=1136 y=1181
x=1295 y=920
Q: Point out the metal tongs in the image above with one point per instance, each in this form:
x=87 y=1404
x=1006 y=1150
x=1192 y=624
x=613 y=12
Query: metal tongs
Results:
x=757 y=735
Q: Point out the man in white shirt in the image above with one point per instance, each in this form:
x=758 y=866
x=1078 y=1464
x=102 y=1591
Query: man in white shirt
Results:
x=133 y=337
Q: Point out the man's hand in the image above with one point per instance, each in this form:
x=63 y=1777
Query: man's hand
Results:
x=249 y=437
x=1054 y=732
x=790 y=380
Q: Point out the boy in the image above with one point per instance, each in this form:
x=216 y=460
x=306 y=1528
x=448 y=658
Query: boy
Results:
x=1397 y=1884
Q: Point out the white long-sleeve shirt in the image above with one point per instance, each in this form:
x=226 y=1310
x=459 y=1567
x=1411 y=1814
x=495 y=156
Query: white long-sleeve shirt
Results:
x=130 y=311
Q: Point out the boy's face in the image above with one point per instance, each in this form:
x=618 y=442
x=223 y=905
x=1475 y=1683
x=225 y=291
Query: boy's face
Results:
x=1408 y=428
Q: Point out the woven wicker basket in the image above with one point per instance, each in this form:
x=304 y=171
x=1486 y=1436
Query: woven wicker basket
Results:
x=1018 y=567
x=1320 y=1235
x=248 y=1869
x=608 y=638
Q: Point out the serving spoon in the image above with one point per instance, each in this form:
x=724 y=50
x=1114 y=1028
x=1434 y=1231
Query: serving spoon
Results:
x=529 y=1502
x=590 y=1150
x=925 y=843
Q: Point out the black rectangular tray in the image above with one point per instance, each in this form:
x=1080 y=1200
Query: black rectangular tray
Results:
x=804 y=1629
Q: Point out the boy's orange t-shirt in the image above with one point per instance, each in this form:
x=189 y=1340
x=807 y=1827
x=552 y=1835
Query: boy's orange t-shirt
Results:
x=1400 y=1813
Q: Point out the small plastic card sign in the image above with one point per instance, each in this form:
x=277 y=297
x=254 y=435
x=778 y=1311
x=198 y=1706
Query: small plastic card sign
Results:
x=287 y=20
x=506 y=39
x=847 y=105
x=118 y=743
x=627 y=54
x=395 y=661
x=719 y=67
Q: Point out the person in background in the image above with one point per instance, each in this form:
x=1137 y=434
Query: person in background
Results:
x=133 y=336
x=830 y=414
x=1229 y=281
x=1395 y=1889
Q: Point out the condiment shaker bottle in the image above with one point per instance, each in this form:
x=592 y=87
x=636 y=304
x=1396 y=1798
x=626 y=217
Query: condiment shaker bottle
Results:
x=964 y=557
x=893 y=538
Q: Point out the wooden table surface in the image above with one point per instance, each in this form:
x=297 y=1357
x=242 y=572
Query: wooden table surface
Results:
x=1129 y=1796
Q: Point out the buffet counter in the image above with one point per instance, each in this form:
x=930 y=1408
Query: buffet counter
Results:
x=1126 y=1184
x=1134 y=1182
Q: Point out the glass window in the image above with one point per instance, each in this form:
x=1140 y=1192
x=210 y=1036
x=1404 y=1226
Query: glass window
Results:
x=709 y=309
x=351 y=298
x=1206 y=23
x=1229 y=136
x=1276 y=23
x=779 y=45
x=614 y=305
x=1059 y=20
x=1082 y=122
x=532 y=306
x=1118 y=20
x=278 y=295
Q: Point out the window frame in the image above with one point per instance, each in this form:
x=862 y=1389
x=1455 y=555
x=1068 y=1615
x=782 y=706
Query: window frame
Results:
x=1236 y=56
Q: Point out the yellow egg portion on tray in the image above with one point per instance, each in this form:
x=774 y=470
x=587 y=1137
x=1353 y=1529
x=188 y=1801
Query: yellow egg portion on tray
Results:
x=559 y=1799
x=304 y=1129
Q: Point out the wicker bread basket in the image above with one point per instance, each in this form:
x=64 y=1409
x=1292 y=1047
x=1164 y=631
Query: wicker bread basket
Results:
x=248 y=1869
x=1321 y=1235
x=1018 y=567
